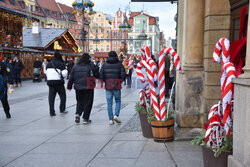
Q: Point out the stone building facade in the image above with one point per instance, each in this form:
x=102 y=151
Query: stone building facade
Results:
x=200 y=25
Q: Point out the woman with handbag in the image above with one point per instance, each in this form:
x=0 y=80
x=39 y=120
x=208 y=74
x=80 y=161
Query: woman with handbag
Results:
x=56 y=72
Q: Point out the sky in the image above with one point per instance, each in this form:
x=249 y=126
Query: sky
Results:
x=164 y=10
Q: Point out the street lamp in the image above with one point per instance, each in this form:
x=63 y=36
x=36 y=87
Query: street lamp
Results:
x=123 y=28
x=81 y=7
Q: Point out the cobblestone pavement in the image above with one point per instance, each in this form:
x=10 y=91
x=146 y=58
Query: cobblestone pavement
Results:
x=31 y=138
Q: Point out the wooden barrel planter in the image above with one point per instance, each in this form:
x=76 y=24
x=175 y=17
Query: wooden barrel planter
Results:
x=145 y=126
x=209 y=159
x=163 y=131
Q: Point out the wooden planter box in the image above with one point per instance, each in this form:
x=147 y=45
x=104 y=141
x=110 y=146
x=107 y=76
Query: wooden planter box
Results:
x=145 y=126
x=210 y=161
x=163 y=131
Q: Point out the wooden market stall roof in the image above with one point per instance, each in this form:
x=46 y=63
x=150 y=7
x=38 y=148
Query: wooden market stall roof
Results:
x=46 y=37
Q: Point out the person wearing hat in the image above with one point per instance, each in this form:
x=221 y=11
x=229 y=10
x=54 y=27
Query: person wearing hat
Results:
x=83 y=77
x=113 y=74
x=56 y=73
x=17 y=69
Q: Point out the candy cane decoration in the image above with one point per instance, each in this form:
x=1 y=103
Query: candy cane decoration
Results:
x=227 y=94
x=227 y=74
x=161 y=76
x=150 y=77
x=143 y=100
x=222 y=47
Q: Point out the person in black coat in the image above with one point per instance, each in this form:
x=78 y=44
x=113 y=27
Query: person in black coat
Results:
x=70 y=64
x=37 y=64
x=17 y=69
x=83 y=77
x=7 y=77
x=56 y=72
x=113 y=74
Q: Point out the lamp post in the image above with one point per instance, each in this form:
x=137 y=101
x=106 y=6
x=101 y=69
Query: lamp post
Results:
x=123 y=28
x=81 y=7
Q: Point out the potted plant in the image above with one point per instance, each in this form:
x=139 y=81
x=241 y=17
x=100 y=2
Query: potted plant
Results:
x=145 y=126
x=215 y=155
x=163 y=131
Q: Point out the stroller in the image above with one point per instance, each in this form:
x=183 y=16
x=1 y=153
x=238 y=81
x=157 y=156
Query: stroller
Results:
x=36 y=75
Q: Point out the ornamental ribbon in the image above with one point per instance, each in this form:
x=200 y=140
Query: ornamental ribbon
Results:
x=143 y=100
x=161 y=76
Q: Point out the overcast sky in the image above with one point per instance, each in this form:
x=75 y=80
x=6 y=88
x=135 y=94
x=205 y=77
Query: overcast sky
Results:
x=164 y=10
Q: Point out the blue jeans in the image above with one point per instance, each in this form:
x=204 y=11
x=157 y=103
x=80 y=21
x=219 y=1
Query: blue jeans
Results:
x=109 y=96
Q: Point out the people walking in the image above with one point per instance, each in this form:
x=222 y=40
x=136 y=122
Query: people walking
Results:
x=17 y=69
x=113 y=74
x=167 y=78
x=70 y=64
x=44 y=65
x=37 y=67
x=56 y=72
x=83 y=77
x=130 y=71
x=5 y=77
x=125 y=65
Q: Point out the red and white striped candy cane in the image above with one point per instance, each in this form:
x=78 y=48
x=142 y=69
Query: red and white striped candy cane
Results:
x=161 y=76
x=227 y=74
x=227 y=94
x=150 y=61
x=222 y=47
x=150 y=77
x=143 y=100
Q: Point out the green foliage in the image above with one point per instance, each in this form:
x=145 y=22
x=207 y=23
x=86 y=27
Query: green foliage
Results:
x=227 y=143
x=151 y=115
x=199 y=140
x=139 y=108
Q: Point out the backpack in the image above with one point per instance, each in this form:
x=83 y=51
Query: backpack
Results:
x=2 y=87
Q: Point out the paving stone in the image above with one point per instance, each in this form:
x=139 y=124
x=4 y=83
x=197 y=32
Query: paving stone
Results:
x=154 y=159
x=122 y=149
x=80 y=138
x=151 y=146
x=187 y=156
x=182 y=146
x=68 y=148
x=104 y=162
x=51 y=160
x=130 y=136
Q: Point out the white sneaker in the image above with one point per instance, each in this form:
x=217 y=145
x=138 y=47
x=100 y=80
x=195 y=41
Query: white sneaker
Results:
x=117 y=119
x=111 y=122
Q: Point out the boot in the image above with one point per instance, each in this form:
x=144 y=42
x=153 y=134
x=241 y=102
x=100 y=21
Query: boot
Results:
x=16 y=85
x=21 y=84
x=8 y=116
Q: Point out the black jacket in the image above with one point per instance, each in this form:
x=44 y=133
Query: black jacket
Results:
x=6 y=73
x=113 y=73
x=53 y=78
x=83 y=76
x=37 y=64
x=17 y=66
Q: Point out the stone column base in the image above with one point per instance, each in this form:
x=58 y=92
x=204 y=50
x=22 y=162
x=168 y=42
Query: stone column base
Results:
x=233 y=162
x=190 y=113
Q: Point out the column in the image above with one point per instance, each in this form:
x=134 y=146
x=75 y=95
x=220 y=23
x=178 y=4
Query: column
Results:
x=241 y=125
x=190 y=80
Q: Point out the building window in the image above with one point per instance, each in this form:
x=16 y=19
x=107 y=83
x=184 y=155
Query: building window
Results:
x=13 y=2
x=39 y=9
x=102 y=30
x=91 y=47
x=102 y=19
x=114 y=33
x=107 y=48
x=102 y=48
x=150 y=29
x=96 y=19
x=113 y=47
x=96 y=30
x=22 y=4
x=55 y=13
x=32 y=9
x=102 y=24
x=61 y=16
